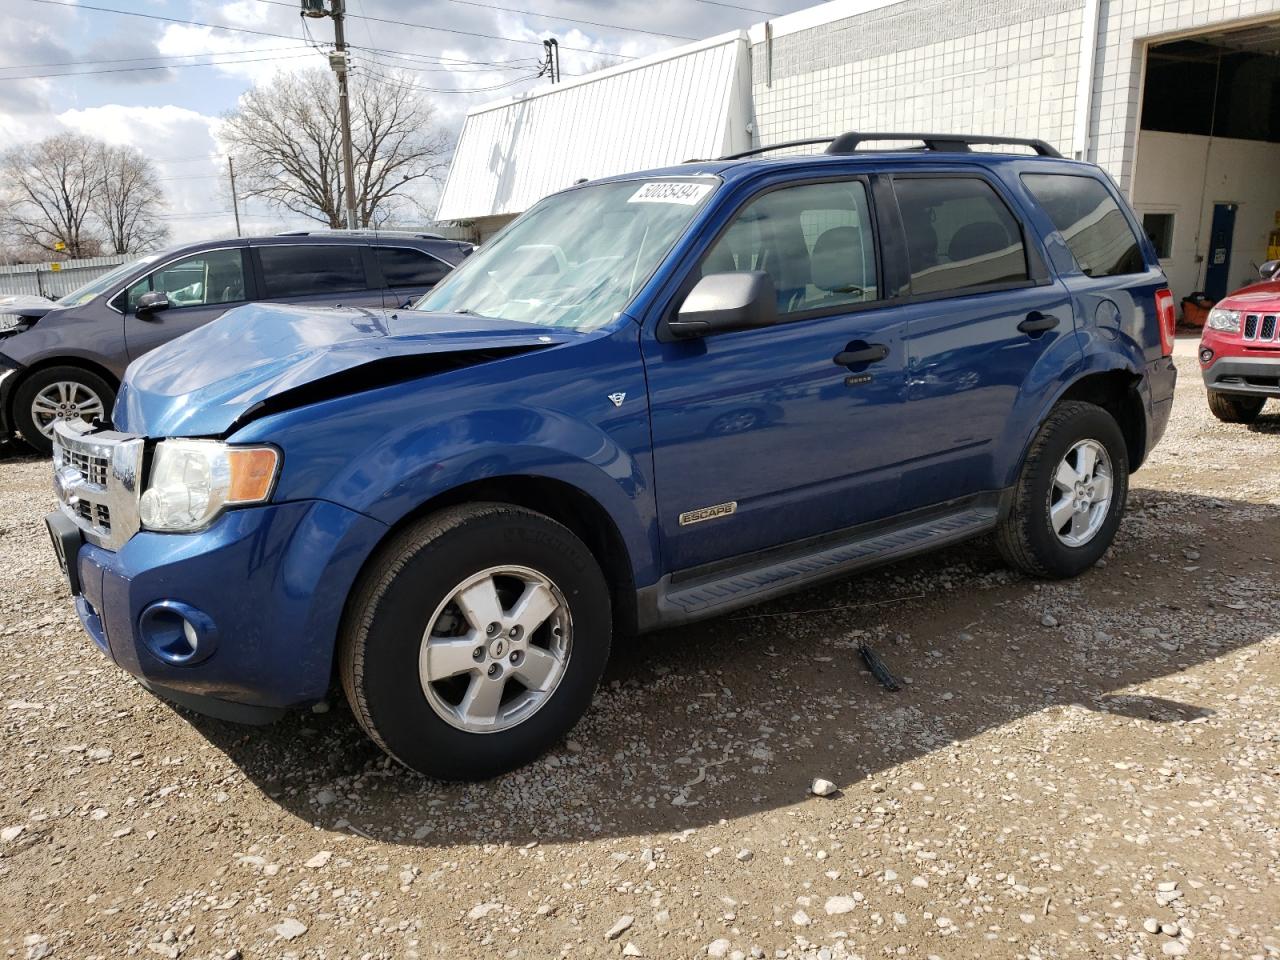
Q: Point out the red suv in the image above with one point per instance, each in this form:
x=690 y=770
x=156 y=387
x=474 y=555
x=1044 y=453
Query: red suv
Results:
x=1240 y=349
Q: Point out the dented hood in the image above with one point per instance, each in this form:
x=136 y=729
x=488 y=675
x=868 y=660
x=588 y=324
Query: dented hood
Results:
x=267 y=356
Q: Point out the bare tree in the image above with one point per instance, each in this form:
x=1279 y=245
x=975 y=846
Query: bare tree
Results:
x=49 y=193
x=129 y=201
x=285 y=138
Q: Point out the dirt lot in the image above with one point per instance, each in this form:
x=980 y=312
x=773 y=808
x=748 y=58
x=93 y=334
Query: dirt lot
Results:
x=1071 y=766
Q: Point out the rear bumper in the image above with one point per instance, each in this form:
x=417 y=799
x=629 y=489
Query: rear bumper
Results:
x=1162 y=377
x=1244 y=376
x=263 y=590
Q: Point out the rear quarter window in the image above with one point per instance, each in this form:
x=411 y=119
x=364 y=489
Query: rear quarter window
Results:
x=406 y=267
x=1091 y=222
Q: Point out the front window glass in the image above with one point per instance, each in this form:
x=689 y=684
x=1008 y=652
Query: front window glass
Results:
x=577 y=258
x=202 y=280
x=105 y=283
x=813 y=240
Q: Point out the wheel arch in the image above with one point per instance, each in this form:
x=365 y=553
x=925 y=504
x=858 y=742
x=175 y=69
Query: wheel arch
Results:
x=1116 y=391
x=562 y=502
x=29 y=370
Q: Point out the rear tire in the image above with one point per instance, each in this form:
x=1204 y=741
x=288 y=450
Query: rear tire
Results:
x=58 y=393
x=1232 y=409
x=475 y=640
x=1059 y=525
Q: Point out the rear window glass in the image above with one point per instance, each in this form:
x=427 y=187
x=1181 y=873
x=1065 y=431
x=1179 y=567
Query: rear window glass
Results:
x=307 y=269
x=1090 y=221
x=959 y=234
x=405 y=267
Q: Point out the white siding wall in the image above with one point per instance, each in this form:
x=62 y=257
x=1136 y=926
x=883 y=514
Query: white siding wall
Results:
x=660 y=111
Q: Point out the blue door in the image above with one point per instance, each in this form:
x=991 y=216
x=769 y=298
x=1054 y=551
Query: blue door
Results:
x=983 y=316
x=760 y=437
x=1217 y=274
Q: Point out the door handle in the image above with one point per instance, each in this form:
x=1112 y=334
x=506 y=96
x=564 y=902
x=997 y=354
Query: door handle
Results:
x=1038 y=322
x=872 y=353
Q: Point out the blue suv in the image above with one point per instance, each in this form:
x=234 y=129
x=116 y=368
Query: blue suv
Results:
x=652 y=398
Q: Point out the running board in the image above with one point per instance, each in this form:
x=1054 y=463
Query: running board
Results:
x=709 y=597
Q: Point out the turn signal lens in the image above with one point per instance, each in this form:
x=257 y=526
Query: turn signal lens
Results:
x=253 y=470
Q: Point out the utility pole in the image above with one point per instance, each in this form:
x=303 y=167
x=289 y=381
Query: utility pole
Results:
x=338 y=63
x=235 y=203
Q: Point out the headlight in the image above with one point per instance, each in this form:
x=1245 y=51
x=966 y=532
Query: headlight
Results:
x=192 y=481
x=1227 y=320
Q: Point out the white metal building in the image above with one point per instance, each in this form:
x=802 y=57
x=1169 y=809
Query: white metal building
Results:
x=1178 y=99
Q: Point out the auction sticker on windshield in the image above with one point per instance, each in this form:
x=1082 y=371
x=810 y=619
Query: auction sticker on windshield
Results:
x=671 y=191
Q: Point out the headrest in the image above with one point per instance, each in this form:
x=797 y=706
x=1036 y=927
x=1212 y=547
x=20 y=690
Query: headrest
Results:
x=837 y=262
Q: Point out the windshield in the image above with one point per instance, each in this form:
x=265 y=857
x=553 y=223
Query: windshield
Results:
x=577 y=258
x=108 y=281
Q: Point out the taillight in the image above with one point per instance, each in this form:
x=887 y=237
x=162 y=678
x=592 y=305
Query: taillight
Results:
x=1168 y=320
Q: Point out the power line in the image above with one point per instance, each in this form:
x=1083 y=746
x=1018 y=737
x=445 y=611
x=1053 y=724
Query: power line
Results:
x=282 y=36
x=179 y=56
x=421 y=89
x=738 y=6
x=527 y=13
x=162 y=66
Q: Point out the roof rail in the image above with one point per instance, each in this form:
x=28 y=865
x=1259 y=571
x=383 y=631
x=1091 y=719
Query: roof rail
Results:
x=361 y=232
x=942 y=142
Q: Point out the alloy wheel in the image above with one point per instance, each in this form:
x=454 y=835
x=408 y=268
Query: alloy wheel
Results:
x=496 y=649
x=1080 y=496
x=65 y=400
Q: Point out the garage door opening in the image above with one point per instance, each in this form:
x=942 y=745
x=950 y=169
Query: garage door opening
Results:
x=1207 y=180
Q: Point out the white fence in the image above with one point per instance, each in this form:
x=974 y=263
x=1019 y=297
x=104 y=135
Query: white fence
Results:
x=54 y=280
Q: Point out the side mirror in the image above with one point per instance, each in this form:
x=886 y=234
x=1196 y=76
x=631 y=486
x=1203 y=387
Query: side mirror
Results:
x=1269 y=270
x=151 y=302
x=726 y=301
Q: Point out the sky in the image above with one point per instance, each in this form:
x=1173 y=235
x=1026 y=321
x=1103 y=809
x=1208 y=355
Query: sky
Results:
x=143 y=90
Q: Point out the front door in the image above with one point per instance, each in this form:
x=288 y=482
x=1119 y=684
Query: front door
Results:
x=1217 y=274
x=199 y=288
x=760 y=436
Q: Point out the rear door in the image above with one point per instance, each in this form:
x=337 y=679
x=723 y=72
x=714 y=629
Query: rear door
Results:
x=983 y=315
x=407 y=273
x=318 y=274
x=200 y=287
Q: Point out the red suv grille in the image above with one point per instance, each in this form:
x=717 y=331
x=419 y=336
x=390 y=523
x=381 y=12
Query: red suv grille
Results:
x=1260 y=327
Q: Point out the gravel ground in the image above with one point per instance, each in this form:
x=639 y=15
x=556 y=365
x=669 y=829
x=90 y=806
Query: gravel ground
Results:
x=1080 y=769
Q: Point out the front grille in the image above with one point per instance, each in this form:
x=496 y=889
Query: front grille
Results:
x=1251 y=327
x=93 y=468
x=1260 y=327
x=95 y=514
x=96 y=478
x=1268 y=328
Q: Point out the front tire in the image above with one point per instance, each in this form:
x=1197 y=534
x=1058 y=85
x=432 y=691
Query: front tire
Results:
x=1232 y=409
x=475 y=640
x=1070 y=494
x=59 y=393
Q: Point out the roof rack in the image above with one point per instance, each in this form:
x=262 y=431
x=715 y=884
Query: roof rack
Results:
x=942 y=142
x=362 y=232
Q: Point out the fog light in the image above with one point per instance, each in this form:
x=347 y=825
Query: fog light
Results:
x=1205 y=354
x=178 y=633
